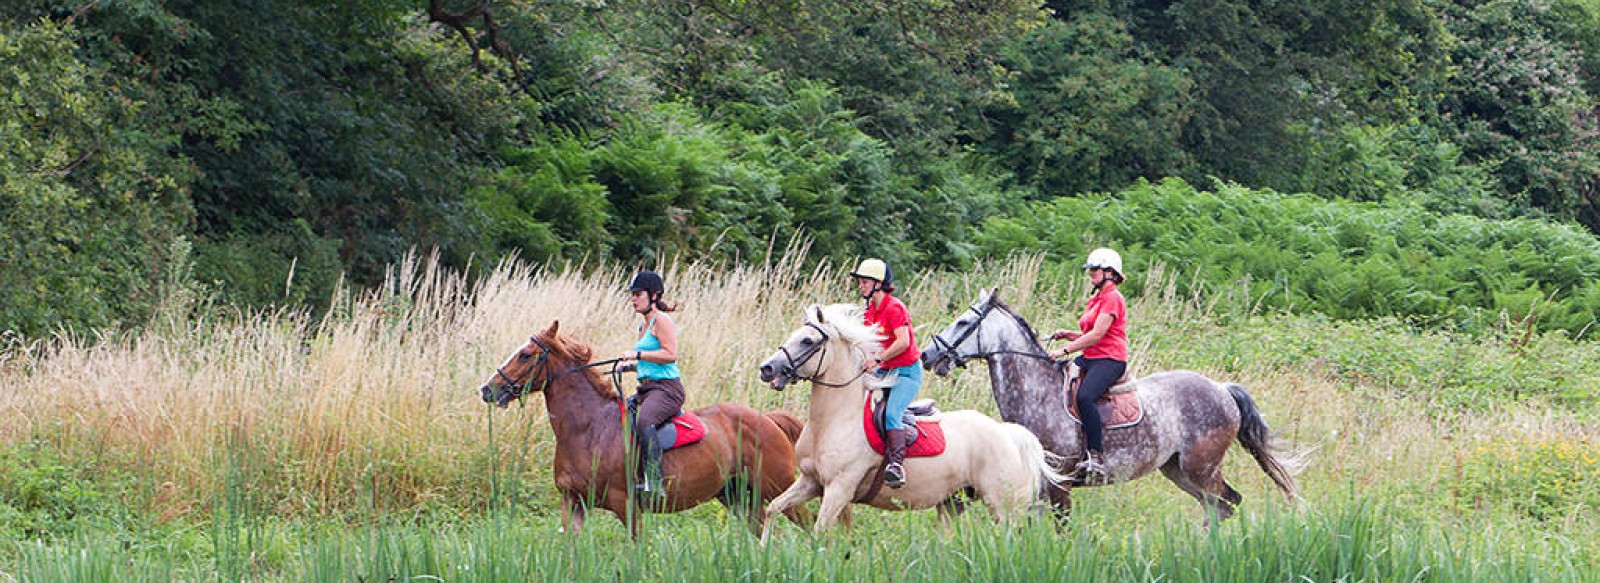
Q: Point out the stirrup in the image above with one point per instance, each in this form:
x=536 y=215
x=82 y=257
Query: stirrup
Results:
x=1091 y=470
x=649 y=492
x=894 y=475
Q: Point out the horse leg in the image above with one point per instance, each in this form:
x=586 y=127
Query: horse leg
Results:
x=572 y=513
x=1060 y=504
x=1231 y=495
x=834 y=501
x=803 y=489
x=1203 y=485
x=622 y=504
x=777 y=478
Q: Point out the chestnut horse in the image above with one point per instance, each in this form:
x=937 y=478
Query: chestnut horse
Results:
x=591 y=466
x=1189 y=420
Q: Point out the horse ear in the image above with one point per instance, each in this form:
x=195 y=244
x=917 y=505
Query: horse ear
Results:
x=816 y=312
x=994 y=293
x=551 y=331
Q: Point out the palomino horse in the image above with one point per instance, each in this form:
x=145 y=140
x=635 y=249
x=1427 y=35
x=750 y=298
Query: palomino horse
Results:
x=590 y=465
x=1189 y=420
x=1003 y=463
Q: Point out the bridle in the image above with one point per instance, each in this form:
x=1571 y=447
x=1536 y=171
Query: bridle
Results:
x=950 y=351
x=818 y=350
x=543 y=365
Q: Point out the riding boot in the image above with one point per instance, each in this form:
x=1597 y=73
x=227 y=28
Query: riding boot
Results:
x=894 y=472
x=650 y=485
x=1092 y=469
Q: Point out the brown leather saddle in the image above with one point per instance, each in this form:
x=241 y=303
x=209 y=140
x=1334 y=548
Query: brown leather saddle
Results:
x=1119 y=407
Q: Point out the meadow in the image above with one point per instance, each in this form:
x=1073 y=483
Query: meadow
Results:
x=352 y=445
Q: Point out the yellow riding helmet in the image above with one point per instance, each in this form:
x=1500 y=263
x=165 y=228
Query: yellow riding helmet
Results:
x=874 y=269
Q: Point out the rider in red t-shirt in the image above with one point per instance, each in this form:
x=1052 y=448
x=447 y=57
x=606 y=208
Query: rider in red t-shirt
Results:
x=1102 y=335
x=898 y=357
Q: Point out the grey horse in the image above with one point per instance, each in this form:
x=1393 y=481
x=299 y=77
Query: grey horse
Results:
x=1189 y=420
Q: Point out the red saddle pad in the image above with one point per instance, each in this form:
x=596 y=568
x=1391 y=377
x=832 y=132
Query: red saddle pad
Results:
x=930 y=438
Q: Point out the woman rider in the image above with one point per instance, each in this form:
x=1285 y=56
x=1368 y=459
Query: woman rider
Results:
x=660 y=394
x=899 y=357
x=1103 y=338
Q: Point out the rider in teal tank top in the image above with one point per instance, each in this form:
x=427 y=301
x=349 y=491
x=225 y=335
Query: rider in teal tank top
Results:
x=653 y=370
x=660 y=394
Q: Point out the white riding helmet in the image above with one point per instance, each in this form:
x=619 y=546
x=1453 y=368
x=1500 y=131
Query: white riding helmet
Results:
x=874 y=269
x=1105 y=259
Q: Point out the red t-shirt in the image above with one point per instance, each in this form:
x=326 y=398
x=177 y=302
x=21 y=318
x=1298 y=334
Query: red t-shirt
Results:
x=889 y=315
x=1115 y=343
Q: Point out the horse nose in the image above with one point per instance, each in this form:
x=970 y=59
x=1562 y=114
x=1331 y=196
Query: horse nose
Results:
x=767 y=372
x=487 y=393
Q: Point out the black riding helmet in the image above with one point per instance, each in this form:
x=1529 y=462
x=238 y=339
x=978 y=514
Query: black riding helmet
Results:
x=649 y=281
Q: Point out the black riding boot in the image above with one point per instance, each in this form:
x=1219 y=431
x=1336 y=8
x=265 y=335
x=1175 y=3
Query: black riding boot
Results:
x=894 y=473
x=649 y=465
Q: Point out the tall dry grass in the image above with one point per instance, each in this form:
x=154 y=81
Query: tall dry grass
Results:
x=373 y=407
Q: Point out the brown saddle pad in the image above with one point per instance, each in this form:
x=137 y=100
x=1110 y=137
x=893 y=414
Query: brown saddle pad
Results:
x=1119 y=406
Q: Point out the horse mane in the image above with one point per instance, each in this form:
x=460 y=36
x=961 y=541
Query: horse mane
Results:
x=1027 y=329
x=845 y=319
x=579 y=353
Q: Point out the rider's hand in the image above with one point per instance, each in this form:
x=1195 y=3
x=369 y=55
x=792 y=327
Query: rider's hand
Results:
x=1058 y=334
x=871 y=365
x=629 y=355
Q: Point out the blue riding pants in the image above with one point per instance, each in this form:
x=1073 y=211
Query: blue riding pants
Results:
x=908 y=382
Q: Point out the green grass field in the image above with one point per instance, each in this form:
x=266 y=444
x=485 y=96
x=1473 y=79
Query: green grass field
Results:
x=353 y=447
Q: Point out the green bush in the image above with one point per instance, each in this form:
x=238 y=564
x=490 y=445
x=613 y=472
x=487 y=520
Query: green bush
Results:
x=91 y=197
x=44 y=494
x=1343 y=259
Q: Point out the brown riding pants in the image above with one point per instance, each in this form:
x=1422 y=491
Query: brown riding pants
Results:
x=660 y=399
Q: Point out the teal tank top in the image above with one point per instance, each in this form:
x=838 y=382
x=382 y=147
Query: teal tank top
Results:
x=653 y=370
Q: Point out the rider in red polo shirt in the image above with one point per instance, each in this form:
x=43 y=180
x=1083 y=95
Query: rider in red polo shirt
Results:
x=899 y=357
x=1102 y=335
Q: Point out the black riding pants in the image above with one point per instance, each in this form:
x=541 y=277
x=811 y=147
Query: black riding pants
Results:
x=1098 y=375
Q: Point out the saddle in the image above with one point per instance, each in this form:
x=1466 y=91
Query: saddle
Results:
x=1119 y=407
x=926 y=437
x=682 y=429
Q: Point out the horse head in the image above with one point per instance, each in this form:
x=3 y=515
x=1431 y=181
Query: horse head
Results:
x=528 y=369
x=830 y=330
x=959 y=341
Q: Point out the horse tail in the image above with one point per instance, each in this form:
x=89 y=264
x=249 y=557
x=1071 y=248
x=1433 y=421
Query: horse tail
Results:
x=786 y=421
x=1042 y=463
x=1257 y=439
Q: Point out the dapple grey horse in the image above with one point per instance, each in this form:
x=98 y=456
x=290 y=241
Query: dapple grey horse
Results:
x=1189 y=420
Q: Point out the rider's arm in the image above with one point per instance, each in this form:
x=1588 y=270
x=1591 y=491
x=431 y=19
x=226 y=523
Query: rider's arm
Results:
x=667 y=332
x=1102 y=324
x=902 y=341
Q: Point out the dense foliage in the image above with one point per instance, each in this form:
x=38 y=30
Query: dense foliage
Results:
x=1343 y=259
x=263 y=152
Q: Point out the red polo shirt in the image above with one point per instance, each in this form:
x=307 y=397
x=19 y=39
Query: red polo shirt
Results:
x=889 y=315
x=1115 y=343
